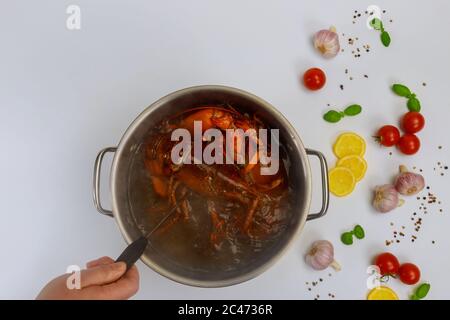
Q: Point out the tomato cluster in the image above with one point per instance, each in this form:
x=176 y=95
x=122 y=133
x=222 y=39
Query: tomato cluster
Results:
x=411 y=123
x=389 y=265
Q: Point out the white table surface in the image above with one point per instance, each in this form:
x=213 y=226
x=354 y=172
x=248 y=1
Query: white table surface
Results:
x=64 y=95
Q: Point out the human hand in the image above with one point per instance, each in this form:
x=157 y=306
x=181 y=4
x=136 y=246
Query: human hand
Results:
x=103 y=279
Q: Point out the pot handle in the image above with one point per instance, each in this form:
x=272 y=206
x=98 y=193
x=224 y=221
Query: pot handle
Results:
x=325 y=189
x=97 y=171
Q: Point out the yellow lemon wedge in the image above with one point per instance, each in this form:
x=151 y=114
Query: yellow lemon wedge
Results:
x=349 y=143
x=356 y=164
x=382 y=293
x=342 y=181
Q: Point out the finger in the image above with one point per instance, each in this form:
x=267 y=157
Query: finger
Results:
x=102 y=274
x=125 y=287
x=98 y=262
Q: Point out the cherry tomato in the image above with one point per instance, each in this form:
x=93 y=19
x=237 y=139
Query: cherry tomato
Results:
x=413 y=122
x=314 y=79
x=388 y=136
x=409 y=144
x=409 y=273
x=388 y=264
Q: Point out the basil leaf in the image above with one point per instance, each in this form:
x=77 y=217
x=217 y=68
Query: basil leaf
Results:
x=385 y=38
x=422 y=290
x=353 y=110
x=347 y=238
x=332 y=116
x=358 y=231
x=376 y=24
x=413 y=104
x=401 y=90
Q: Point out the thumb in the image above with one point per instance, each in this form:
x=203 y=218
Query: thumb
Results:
x=102 y=274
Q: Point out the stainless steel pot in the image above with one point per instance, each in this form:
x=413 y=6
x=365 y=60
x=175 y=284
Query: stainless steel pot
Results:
x=299 y=179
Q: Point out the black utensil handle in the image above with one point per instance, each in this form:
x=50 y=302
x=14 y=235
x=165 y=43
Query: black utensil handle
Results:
x=133 y=252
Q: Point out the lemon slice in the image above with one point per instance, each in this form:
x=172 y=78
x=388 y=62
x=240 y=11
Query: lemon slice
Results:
x=356 y=164
x=382 y=293
x=342 y=181
x=349 y=143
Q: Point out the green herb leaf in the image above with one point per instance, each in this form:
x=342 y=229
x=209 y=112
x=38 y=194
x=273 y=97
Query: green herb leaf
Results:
x=347 y=238
x=358 y=231
x=414 y=297
x=413 y=104
x=377 y=24
x=385 y=38
x=353 y=110
x=401 y=90
x=332 y=116
x=422 y=290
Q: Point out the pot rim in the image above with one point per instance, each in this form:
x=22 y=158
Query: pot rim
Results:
x=120 y=220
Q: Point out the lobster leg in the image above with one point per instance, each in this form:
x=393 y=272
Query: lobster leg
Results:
x=172 y=197
x=167 y=225
x=218 y=231
x=250 y=214
x=184 y=205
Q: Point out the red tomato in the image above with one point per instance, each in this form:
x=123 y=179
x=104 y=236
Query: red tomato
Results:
x=314 y=79
x=388 y=264
x=409 y=144
x=409 y=273
x=388 y=136
x=413 y=122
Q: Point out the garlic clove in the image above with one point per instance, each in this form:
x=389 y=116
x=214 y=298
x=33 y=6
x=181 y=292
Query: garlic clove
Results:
x=321 y=256
x=409 y=183
x=327 y=42
x=386 y=198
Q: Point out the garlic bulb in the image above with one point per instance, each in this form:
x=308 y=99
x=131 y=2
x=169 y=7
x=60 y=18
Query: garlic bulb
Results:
x=386 y=198
x=327 y=42
x=321 y=256
x=409 y=183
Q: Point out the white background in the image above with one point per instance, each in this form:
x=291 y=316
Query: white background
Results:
x=64 y=95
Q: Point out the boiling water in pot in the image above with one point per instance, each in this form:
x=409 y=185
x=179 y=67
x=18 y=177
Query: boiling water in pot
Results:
x=227 y=214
